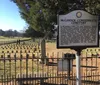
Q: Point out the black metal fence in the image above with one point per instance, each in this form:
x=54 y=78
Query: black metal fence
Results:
x=22 y=66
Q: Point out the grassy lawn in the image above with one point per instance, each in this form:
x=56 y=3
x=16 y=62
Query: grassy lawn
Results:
x=11 y=38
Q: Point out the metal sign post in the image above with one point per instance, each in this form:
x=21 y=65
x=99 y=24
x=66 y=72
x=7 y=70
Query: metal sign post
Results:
x=78 y=67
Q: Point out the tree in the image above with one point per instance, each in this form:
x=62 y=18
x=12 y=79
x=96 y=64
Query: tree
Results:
x=1 y=32
x=32 y=33
x=10 y=33
x=41 y=15
x=15 y=33
x=93 y=6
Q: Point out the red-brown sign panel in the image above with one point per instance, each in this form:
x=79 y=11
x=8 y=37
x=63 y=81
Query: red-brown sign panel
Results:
x=77 y=29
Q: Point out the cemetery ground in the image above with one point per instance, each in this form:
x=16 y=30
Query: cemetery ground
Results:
x=17 y=60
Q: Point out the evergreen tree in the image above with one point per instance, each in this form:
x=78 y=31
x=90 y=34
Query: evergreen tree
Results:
x=32 y=33
x=41 y=15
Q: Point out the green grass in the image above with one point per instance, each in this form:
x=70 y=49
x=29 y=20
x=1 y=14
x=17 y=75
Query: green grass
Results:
x=11 y=39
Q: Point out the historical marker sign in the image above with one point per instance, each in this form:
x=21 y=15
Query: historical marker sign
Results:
x=77 y=29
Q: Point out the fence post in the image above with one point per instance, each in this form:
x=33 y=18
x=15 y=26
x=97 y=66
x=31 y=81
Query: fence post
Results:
x=27 y=56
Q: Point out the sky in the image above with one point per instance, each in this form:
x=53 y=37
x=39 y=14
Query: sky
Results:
x=10 y=17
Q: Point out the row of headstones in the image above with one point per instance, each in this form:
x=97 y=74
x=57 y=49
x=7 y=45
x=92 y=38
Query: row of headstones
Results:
x=92 y=49
x=20 y=47
x=34 y=48
x=22 y=55
x=17 y=46
x=21 y=51
x=25 y=50
x=92 y=52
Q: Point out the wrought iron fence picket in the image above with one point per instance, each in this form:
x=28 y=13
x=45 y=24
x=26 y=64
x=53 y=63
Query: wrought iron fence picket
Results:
x=13 y=65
